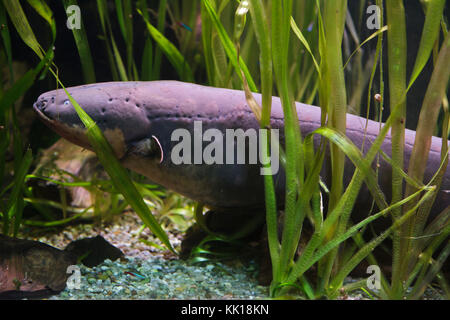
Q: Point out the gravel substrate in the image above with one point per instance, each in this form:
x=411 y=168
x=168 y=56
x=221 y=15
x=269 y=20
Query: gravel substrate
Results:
x=151 y=272
x=165 y=279
x=123 y=231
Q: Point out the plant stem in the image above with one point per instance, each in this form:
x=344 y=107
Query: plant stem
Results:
x=397 y=87
x=334 y=14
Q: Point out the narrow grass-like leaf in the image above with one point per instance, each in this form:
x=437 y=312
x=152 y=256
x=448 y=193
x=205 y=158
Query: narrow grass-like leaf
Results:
x=430 y=33
x=305 y=43
x=397 y=54
x=355 y=155
x=207 y=44
x=161 y=25
x=171 y=52
x=22 y=25
x=120 y=17
x=23 y=84
x=229 y=47
x=221 y=65
x=337 y=99
x=373 y=35
x=363 y=252
x=428 y=117
x=425 y=253
x=421 y=284
x=45 y=12
x=84 y=51
x=6 y=40
x=104 y=20
x=147 y=55
x=333 y=90
x=118 y=59
x=115 y=60
x=378 y=60
x=48 y=224
x=263 y=37
x=117 y=173
x=302 y=265
x=294 y=165
x=124 y=18
x=15 y=204
x=419 y=236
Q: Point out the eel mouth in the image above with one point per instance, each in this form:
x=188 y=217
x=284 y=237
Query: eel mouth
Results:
x=39 y=107
x=74 y=134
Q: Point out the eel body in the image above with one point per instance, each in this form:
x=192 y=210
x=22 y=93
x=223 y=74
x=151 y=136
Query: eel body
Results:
x=31 y=269
x=139 y=118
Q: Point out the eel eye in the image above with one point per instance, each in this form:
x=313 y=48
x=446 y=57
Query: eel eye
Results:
x=66 y=102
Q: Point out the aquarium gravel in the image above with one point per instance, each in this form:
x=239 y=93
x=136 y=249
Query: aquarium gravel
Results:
x=134 y=278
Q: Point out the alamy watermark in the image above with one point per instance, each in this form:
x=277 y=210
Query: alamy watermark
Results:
x=373 y=22
x=226 y=148
x=373 y=282
x=74 y=280
x=73 y=17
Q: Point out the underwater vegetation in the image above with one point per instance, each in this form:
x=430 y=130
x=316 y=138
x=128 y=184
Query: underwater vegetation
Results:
x=386 y=61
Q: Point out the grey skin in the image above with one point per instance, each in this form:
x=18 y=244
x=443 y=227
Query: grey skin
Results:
x=32 y=269
x=138 y=119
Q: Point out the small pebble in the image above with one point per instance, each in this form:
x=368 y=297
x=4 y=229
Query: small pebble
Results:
x=175 y=279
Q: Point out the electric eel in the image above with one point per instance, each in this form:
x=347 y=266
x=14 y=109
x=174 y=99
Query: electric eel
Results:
x=139 y=120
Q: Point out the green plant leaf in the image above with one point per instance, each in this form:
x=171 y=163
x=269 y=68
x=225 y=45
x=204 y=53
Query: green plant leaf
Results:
x=305 y=43
x=171 y=52
x=117 y=173
x=430 y=33
x=373 y=35
x=6 y=40
x=22 y=26
x=15 y=203
x=229 y=47
x=84 y=50
x=45 y=12
x=23 y=84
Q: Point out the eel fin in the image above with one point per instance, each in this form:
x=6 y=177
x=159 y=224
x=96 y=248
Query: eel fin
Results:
x=148 y=147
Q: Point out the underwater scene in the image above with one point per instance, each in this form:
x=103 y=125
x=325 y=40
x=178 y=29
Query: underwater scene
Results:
x=247 y=150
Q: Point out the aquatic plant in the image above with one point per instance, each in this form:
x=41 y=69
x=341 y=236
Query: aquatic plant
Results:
x=302 y=46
